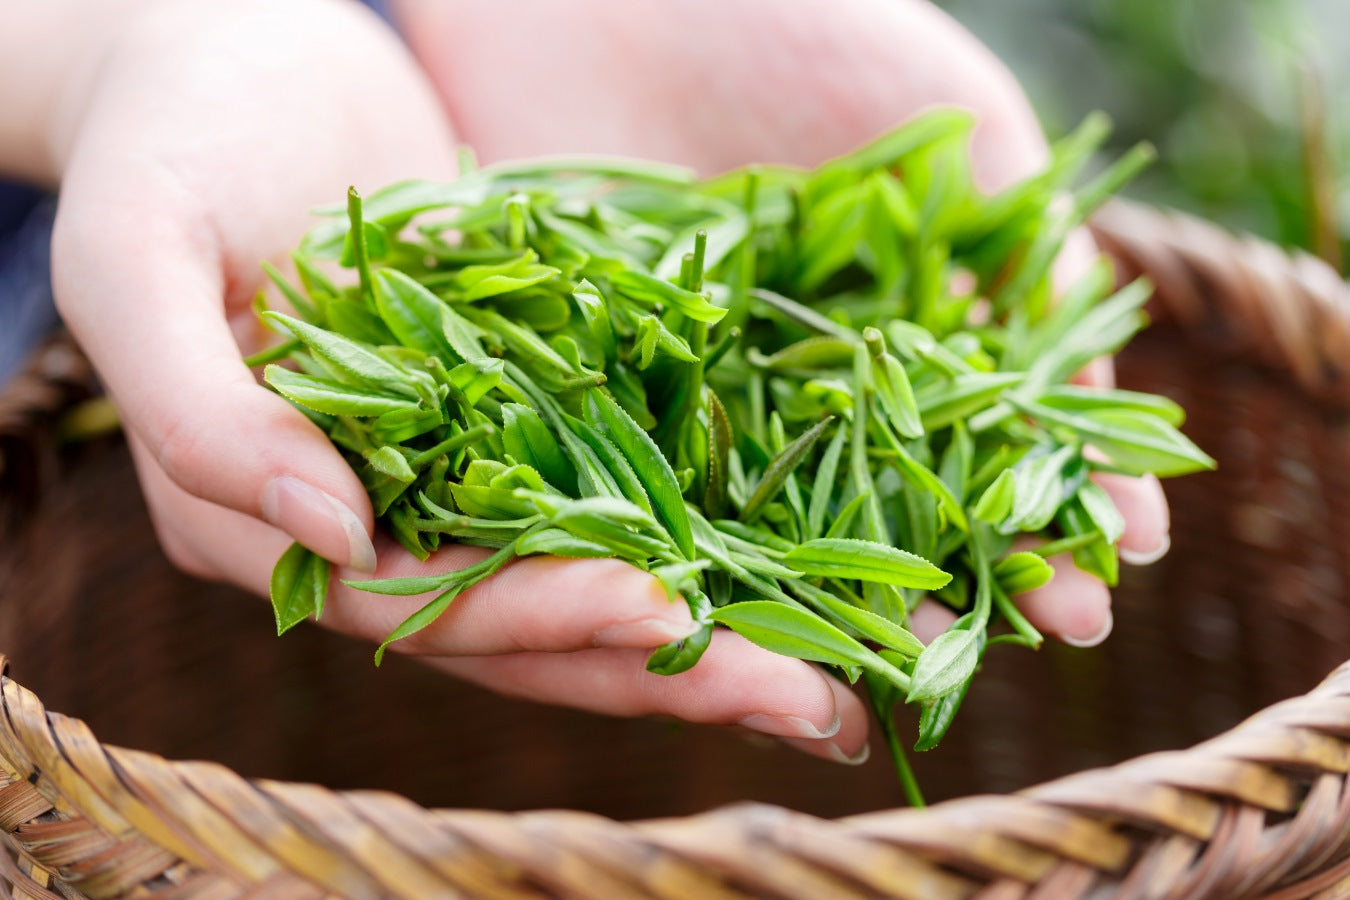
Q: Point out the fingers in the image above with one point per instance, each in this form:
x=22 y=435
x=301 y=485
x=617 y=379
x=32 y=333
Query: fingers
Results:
x=537 y=604
x=735 y=683
x=1141 y=501
x=848 y=745
x=609 y=613
x=543 y=608
x=1074 y=607
x=159 y=233
x=153 y=326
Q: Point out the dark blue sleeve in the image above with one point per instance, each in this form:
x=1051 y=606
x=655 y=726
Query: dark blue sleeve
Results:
x=26 y=309
x=381 y=8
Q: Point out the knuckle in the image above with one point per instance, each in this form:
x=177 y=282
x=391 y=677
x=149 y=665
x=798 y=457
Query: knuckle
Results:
x=178 y=451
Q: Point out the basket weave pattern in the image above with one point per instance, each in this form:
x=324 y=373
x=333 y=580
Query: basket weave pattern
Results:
x=1250 y=607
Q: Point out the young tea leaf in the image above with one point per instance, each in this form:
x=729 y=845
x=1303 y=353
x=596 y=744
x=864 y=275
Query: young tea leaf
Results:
x=945 y=665
x=1022 y=572
x=791 y=632
x=780 y=468
x=996 y=502
x=651 y=467
x=330 y=397
x=865 y=561
x=298 y=587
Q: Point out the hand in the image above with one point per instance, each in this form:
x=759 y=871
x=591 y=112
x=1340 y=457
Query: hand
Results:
x=191 y=148
x=210 y=133
x=715 y=85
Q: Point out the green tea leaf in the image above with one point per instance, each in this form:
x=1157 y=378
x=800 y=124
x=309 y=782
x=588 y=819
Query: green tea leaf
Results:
x=410 y=586
x=716 y=493
x=759 y=537
x=1075 y=398
x=843 y=523
x=653 y=335
x=1038 y=490
x=805 y=315
x=474 y=379
x=867 y=624
x=616 y=463
x=890 y=148
x=945 y=665
x=529 y=441
x=653 y=291
x=1022 y=572
x=892 y=388
x=1098 y=556
x=331 y=397
x=958 y=462
x=823 y=490
x=811 y=354
x=652 y=468
x=298 y=587
x=680 y=578
x=556 y=542
x=790 y=632
x=866 y=561
x=997 y=500
x=595 y=313
x=414 y=314
x=680 y=656
x=455 y=583
x=1101 y=509
x=944 y=402
x=298 y=301
x=937 y=716
x=780 y=468
x=1136 y=441
x=388 y=461
x=927 y=481
x=480 y=282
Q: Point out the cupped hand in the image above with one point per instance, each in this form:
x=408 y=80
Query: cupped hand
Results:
x=211 y=132
x=715 y=85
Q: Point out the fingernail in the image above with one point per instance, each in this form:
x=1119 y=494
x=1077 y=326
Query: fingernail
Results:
x=856 y=759
x=1145 y=557
x=789 y=726
x=829 y=750
x=643 y=633
x=318 y=520
x=1095 y=639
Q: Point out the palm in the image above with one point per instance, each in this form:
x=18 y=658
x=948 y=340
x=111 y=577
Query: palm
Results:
x=709 y=83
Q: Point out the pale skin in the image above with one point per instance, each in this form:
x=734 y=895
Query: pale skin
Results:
x=191 y=137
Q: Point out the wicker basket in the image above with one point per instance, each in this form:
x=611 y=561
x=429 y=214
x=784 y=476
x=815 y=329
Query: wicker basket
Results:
x=1250 y=608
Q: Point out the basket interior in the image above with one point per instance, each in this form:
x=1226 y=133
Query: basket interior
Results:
x=1249 y=607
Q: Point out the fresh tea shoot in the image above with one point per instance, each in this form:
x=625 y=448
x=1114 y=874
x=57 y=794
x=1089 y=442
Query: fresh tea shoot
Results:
x=806 y=401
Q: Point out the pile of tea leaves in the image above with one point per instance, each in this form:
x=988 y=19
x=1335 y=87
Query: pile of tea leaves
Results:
x=806 y=401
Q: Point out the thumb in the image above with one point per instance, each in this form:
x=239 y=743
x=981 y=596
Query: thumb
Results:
x=143 y=292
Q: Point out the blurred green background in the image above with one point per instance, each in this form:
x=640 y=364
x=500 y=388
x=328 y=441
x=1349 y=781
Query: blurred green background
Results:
x=1247 y=101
